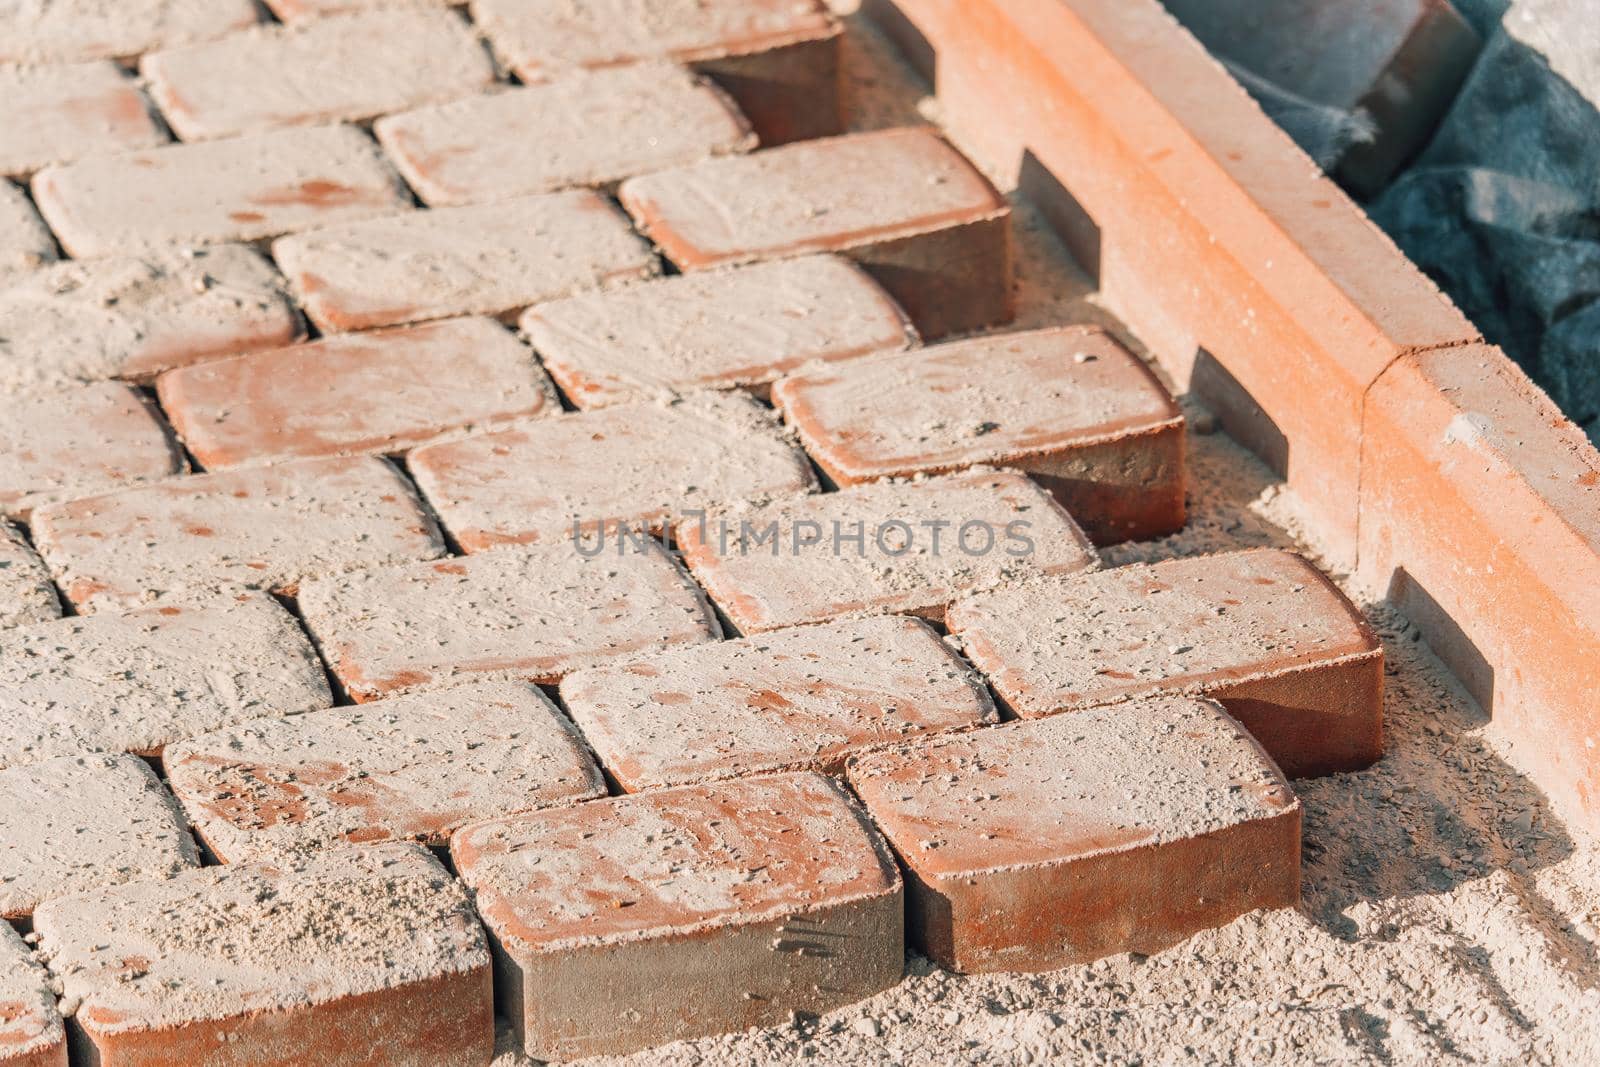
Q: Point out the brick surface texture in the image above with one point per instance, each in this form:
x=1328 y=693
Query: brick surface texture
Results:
x=56 y=114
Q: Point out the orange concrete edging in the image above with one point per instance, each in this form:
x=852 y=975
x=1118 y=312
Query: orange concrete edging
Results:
x=1425 y=460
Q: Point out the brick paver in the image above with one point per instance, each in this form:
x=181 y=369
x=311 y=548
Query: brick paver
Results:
x=65 y=30
x=55 y=114
x=487 y=259
x=902 y=202
x=240 y=189
x=884 y=547
x=1070 y=406
x=1038 y=845
x=63 y=443
x=346 y=68
x=25 y=242
x=414 y=767
x=76 y=823
x=264 y=528
x=743 y=326
x=26 y=594
x=530 y=613
x=588 y=128
x=297 y=11
x=759 y=898
x=31 y=1031
x=638 y=465
x=132 y=317
x=799 y=699
x=140 y=681
x=385 y=391
x=1262 y=631
x=359 y=955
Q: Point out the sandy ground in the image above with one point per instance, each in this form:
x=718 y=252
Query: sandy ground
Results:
x=1446 y=915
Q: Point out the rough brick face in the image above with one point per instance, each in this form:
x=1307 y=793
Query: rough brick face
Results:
x=638 y=465
x=347 y=68
x=26 y=594
x=60 y=113
x=743 y=326
x=297 y=11
x=241 y=189
x=1039 y=845
x=887 y=547
x=25 y=243
x=1261 y=631
x=132 y=317
x=264 y=528
x=414 y=767
x=799 y=699
x=487 y=260
x=63 y=443
x=31 y=1033
x=359 y=955
x=902 y=202
x=779 y=58
x=534 y=614
x=621 y=924
x=1071 y=407
x=591 y=128
x=77 y=823
x=92 y=29
x=138 y=682
x=384 y=391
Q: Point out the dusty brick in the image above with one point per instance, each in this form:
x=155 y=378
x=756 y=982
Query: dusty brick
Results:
x=621 y=924
x=483 y=260
x=31 y=1032
x=533 y=613
x=778 y=58
x=297 y=11
x=76 y=823
x=589 y=128
x=131 y=317
x=1039 y=845
x=346 y=68
x=385 y=391
x=26 y=594
x=412 y=768
x=637 y=465
x=1262 y=631
x=357 y=955
x=65 y=30
x=914 y=559
x=138 y=682
x=25 y=242
x=718 y=329
x=1071 y=407
x=902 y=202
x=242 y=189
x=56 y=114
x=264 y=528
x=800 y=699
x=62 y=443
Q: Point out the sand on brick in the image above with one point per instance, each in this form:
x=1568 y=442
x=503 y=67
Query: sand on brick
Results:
x=31 y=1032
x=55 y=114
x=25 y=242
x=63 y=30
x=26 y=593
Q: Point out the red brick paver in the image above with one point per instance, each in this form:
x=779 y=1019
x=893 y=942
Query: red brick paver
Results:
x=1071 y=407
x=902 y=202
x=132 y=317
x=414 y=767
x=1039 y=845
x=530 y=613
x=350 y=67
x=779 y=58
x=1261 y=631
x=638 y=464
x=885 y=547
x=56 y=114
x=385 y=391
x=64 y=30
x=63 y=443
x=140 y=681
x=240 y=189
x=759 y=898
x=25 y=243
x=31 y=1032
x=589 y=128
x=76 y=823
x=486 y=259
x=264 y=528
x=358 y=955
x=743 y=326
x=799 y=699
x=26 y=594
